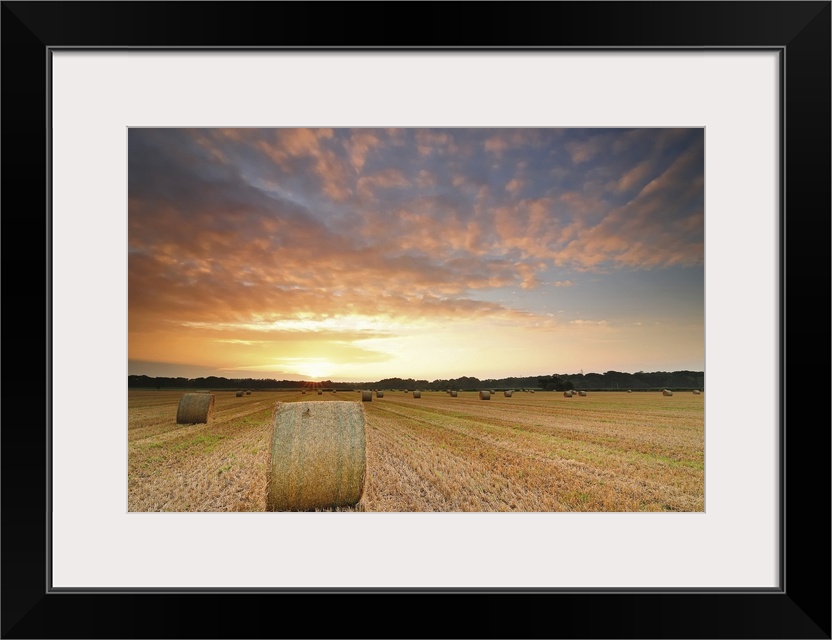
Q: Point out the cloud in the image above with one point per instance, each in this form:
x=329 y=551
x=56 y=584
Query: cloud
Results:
x=429 y=142
x=514 y=185
x=633 y=177
x=506 y=140
x=297 y=150
x=361 y=143
x=496 y=145
x=585 y=150
x=276 y=233
x=386 y=179
x=690 y=161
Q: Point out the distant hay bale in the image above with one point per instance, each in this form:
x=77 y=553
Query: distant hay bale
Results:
x=239 y=394
x=320 y=393
x=453 y=394
x=581 y=393
x=303 y=393
x=318 y=458
x=567 y=394
x=531 y=390
x=696 y=392
x=379 y=394
x=195 y=408
x=366 y=396
x=417 y=394
x=667 y=392
x=629 y=390
x=507 y=394
x=248 y=392
x=485 y=395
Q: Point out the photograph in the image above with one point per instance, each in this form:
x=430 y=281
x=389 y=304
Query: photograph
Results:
x=418 y=316
x=317 y=315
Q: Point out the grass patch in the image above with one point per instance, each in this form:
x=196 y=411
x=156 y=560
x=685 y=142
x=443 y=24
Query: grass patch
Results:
x=206 y=442
x=150 y=445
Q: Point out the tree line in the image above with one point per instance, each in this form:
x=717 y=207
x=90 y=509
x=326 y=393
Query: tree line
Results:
x=608 y=381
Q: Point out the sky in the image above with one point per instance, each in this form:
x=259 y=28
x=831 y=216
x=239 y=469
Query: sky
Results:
x=363 y=254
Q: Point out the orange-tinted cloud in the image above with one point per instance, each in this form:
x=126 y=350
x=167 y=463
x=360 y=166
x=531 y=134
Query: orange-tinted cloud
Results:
x=386 y=179
x=253 y=233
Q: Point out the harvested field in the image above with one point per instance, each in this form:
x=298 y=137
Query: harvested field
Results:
x=611 y=452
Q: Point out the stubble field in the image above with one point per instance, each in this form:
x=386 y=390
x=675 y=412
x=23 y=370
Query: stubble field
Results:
x=541 y=452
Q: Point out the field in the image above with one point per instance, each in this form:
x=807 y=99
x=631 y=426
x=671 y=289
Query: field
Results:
x=541 y=452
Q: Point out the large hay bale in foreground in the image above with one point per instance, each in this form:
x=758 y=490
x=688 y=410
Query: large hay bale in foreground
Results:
x=667 y=392
x=417 y=394
x=318 y=458
x=567 y=394
x=366 y=396
x=379 y=394
x=239 y=394
x=453 y=394
x=195 y=408
x=507 y=394
x=485 y=395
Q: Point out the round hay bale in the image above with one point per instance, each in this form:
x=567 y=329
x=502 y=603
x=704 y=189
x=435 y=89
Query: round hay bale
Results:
x=366 y=396
x=453 y=394
x=320 y=393
x=318 y=458
x=303 y=393
x=667 y=392
x=417 y=394
x=195 y=408
x=485 y=395
x=629 y=390
x=507 y=394
x=581 y=393
x=379 y=394
x=696 y=392
x=567 y=394
x=239 y=394
x=248 y=392
x=531 y=390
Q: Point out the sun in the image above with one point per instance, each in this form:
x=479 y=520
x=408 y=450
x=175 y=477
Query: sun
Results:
x=315 y=369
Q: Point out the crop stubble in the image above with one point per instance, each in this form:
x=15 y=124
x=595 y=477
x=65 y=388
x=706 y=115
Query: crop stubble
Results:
x=608 y=451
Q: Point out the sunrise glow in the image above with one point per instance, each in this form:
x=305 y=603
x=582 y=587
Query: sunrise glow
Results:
x=360 y=254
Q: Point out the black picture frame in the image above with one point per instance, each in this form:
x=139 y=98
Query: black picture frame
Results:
x=800 y=608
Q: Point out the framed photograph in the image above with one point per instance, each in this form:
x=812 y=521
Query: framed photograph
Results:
x=104 y=105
